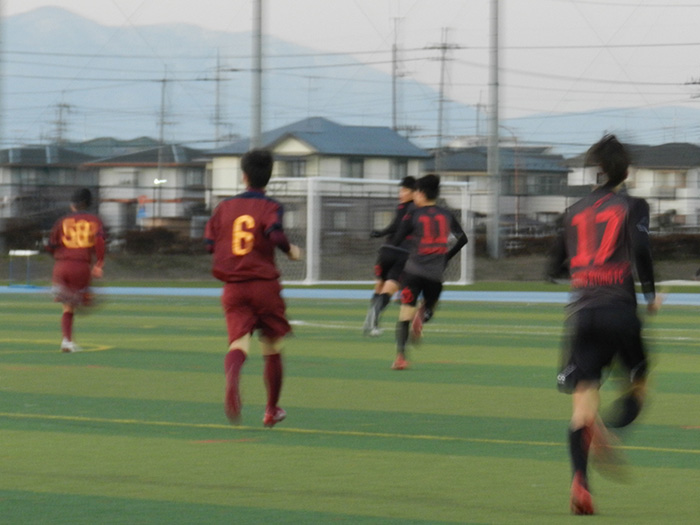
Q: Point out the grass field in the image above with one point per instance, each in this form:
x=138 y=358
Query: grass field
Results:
x=132 y=430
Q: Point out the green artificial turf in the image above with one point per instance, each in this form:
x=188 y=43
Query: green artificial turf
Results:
x=132 y=430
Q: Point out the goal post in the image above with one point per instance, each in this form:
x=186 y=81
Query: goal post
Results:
x=331 y=219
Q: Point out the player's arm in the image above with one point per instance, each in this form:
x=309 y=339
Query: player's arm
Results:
x=54 y=238
x=461 y=238
x=275 y=232
x=209 y=235
x=404 y=230
x=641 y=249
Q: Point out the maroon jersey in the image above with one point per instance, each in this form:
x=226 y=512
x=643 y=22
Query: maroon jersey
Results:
x=77 y=237
x=242 y=234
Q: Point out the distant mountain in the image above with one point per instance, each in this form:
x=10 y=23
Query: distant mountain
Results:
x=70 y=78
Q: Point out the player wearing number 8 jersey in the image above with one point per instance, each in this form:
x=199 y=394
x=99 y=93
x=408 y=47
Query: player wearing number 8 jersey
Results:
x=605 y=237
x=75 y=241
x=242 y=234
x=430 y=226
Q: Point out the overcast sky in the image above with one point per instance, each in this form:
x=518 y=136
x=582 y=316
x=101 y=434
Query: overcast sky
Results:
x=557 y=55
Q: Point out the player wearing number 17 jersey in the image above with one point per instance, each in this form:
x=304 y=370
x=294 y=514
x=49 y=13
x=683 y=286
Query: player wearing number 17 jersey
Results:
x=75 y=241
x=430 y=226
x=242 y=234
x=605 y=237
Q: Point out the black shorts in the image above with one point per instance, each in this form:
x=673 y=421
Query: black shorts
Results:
x=596 y=337
x=390 y=263
x=413 y=285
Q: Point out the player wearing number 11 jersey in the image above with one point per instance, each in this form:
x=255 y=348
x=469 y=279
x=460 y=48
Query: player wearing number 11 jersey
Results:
x=75 y=241
x=605 y=237
x=430 y=226
x=242 y=234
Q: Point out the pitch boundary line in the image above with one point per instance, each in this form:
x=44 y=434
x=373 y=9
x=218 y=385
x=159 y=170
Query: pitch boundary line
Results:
x=347 y=433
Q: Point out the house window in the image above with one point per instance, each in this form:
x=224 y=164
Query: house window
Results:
x=382 y=219
x=194 y=178
x=354 y=168
x=340 y=220
x=295 y=168
x=399 y=169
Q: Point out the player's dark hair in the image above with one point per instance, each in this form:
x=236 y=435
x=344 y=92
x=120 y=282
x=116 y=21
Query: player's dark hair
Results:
x=257 y=164
x=612 y=157
x=429 y=185
x=408 y=182
x=81 y=199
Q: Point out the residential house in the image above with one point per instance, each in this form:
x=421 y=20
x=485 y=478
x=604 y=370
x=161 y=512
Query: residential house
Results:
x=318 y=147
x=162 y=186
x=533 y=184
x=36 y=183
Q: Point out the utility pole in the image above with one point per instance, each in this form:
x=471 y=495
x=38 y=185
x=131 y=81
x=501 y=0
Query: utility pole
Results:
x=161 y=138
x=443 y=47
x=217 y=101
x=61 y=126
x=256 y=110
x=493 y=164
x=395 y=77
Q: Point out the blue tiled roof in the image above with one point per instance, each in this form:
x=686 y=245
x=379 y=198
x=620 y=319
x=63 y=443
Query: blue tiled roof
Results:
x=330 y=138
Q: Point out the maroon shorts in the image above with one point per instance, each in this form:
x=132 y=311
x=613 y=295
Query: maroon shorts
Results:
x=71 y=282
x=254 y=305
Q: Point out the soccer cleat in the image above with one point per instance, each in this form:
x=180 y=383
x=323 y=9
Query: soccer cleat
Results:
x=375 y=332
x=581 y=500
x=273 y=416
x=232 y=402
x=69 y=347
x=400 y=363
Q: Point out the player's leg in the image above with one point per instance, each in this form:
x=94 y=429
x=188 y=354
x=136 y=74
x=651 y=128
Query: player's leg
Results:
x=233 y=363
x=633 y=357
x=67 y=344
x=380 y=273
x=409 y=297
x=586 y=399
x=431 y=295
x=394 y=263
x=70 y=281
x=389 y=288
x=273 y=375
x=274 y=326
x=240 y=322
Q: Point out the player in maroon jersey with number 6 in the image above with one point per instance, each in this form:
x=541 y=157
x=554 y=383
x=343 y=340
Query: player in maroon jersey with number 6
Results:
x=430 y=226
x=243 y=233
x=74 y=241
x=605 y=237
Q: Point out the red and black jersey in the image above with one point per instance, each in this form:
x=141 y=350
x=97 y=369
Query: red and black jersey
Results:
x=605 y=237
x=77 y=237
x=242 y=233
x=430 y=227
x=401 y=210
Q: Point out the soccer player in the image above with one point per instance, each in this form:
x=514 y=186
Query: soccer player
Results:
x=605 y=236
x=243 y=233
x=430 y=226
x=75 y=240
x=390 y=260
